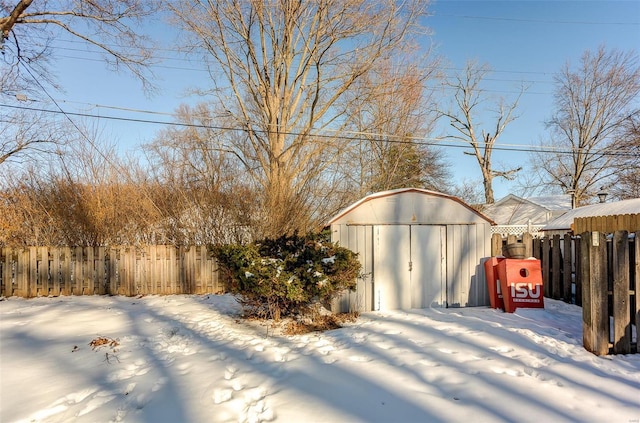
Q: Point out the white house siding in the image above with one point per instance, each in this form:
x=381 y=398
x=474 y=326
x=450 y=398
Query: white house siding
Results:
x=418 y=249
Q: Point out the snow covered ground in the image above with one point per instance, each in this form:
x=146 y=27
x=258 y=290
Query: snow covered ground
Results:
x=190 y=359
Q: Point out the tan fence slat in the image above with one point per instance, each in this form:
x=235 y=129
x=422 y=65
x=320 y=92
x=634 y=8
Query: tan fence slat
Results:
x=546 y=266
x=65 y=271
x=567 y=269
x=101 y=271
x=89 y=285
x=3 y=271
x=578 y=266
x=556 y=261
x=173 y=284
x=55 y=271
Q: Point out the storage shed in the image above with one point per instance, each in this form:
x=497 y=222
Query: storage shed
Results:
x=418 y=249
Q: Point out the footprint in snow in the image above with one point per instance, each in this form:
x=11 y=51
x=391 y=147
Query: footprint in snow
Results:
x=384 y=345
x=502 y=349
x=541 y=376
x=281 y=355
x=130 y=387
x=255 y=407
x=218 y=357
x=184 y=368
x=359 y=338
x=237 y=385
x=325 y=350
x=230 y=372
x=360 y=358
x=428 y=363
x=159 y=384
x=509 y=372
x=221 y=395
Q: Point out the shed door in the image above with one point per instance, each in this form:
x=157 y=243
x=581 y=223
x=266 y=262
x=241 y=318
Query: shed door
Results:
x=408 y=267
x=428 y=254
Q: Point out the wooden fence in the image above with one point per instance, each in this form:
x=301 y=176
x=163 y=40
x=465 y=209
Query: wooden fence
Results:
x=609 y=224
x=601 y=273
x=52 y=271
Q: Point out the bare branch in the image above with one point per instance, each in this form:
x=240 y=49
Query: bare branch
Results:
x=463 y=118
x=594 y=105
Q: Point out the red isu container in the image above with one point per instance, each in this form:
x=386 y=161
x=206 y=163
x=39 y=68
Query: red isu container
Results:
x=521 y=284
x=493 y=282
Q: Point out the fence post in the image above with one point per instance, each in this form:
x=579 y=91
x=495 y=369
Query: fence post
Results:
x=536 y=248
x=556 y=259
x=496 y=245
x=112 y=287
x=527 y=240
x=567 y=270
x=89 y=274
x=578 y=257
x=636 y=282
x=65 y=271
x=595 y=319
x=184 y=266
x=621 y=312
x=101 y=284
x=5 y=272
x=32 y=287
x=546 y=282
x=76 y=287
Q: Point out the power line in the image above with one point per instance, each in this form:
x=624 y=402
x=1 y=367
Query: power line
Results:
x=546 y=21
x=197 y=62
x=356 y=136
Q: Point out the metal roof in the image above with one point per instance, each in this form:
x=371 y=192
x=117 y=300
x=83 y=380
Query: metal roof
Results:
x=403 y=190
x=565 y=221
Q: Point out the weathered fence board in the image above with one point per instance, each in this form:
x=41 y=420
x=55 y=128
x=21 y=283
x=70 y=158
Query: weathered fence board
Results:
x=620 y=288
x=155 y=269
x=609 y=224
x=594 y=293
x=556 y=260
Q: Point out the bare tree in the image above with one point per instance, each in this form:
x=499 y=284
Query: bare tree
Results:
x=389 y=115
x=28 y=133
x=209 y=199
x=280 y=68
x=28 y=28
x=594 y=103
x=627 y=178
x=463 y=117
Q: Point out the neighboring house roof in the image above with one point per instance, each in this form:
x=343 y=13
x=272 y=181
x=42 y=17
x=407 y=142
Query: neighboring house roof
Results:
x=514 y=210
x=401 y=191
x=553 y=202
x=565 y=221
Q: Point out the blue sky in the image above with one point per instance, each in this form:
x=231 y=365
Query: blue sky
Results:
x=526 y=41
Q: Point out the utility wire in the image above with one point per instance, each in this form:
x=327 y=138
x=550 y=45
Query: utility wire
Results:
x=545 y=21
x=355 y=136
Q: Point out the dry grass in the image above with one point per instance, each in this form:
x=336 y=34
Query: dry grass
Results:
x=320 y=323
